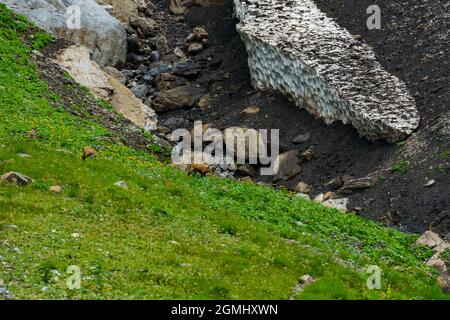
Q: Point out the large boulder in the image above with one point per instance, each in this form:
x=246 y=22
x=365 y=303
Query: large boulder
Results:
x=76 y=61
x=103 y=34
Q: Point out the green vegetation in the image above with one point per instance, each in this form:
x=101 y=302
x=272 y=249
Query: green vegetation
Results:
x=167 y=235
x=401 y=167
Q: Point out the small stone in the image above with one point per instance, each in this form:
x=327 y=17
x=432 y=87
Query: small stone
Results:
x=432 y=240
x=339 y=204
x=302 y=187
x=75 y=235
x=302 y=138
x=307 y=279
x=121 y=184
x=140 y=90
x=200 y=33
x=56 y=189
x=190 y=38
x=308 y=154
x=204 y=102
x=15 y=178
x=23 y=155
x=251 y=110
x=319 y=198
x=328 y=196
x=195 y=48
x=179 y=53
x=429 y=183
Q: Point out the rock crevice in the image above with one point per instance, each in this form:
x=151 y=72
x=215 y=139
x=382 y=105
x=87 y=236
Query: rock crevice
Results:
x=295 y=48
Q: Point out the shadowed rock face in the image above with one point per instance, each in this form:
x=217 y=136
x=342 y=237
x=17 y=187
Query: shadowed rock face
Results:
x=295 y=48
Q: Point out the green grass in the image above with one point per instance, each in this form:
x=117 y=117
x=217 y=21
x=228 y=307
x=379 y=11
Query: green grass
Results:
x=168 y=235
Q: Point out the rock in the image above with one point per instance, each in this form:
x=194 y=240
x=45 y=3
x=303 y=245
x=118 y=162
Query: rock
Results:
x=251 y=110
x=308 y=154
x=88 y=152
x=319 y=198
x=121 y=184
x=190 y=37
x=195 y=47
x=15 y=178
x=180 y=7
x=76 y=61
x=432 y=240
x=339 y=204
x=305 y=281
x=179 y=53
x=328 y=195
x=204 y=102
x=357 y=185
x=188 y=70
x=303 y=196
x=144 y=26
x=287 y=165
x=429 y=183
x=302 y=187
x=176 y=123
x=200 y=33
x=162 y=44
x=140 y=91
x=336 y=183
x=56 y=189
x=176 y=98
x=119 y=76
x=167 y=81
x=302 y=138
x=102 y=34
x=23 y=155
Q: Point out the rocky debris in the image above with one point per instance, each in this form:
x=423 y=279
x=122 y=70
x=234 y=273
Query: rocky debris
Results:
x=245 y=170
x=145 y=26
x=302 y=138
x=429 y=183
x=15 y=178
x=204 y=102
x=302 y=187
x=177 y=98
x=121 y=184
x=339 y=181
x=251 y=110
x=439 y=246
x=357 y=185
x=287 y=165
x=195 y=47
x=88 y=152
x=432 y=240
x=119 y=76
x=56 y=189
x=339 y=204
x=167 y=81
x=102 y=34
x=308 y=154
x=76 y=61
x=305 y=281
x=325 y=70
x=197 y=40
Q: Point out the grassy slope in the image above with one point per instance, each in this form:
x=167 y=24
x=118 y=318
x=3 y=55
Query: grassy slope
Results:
x=168 y=235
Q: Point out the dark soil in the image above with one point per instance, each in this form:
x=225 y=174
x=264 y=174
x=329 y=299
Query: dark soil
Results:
x=412 y=45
